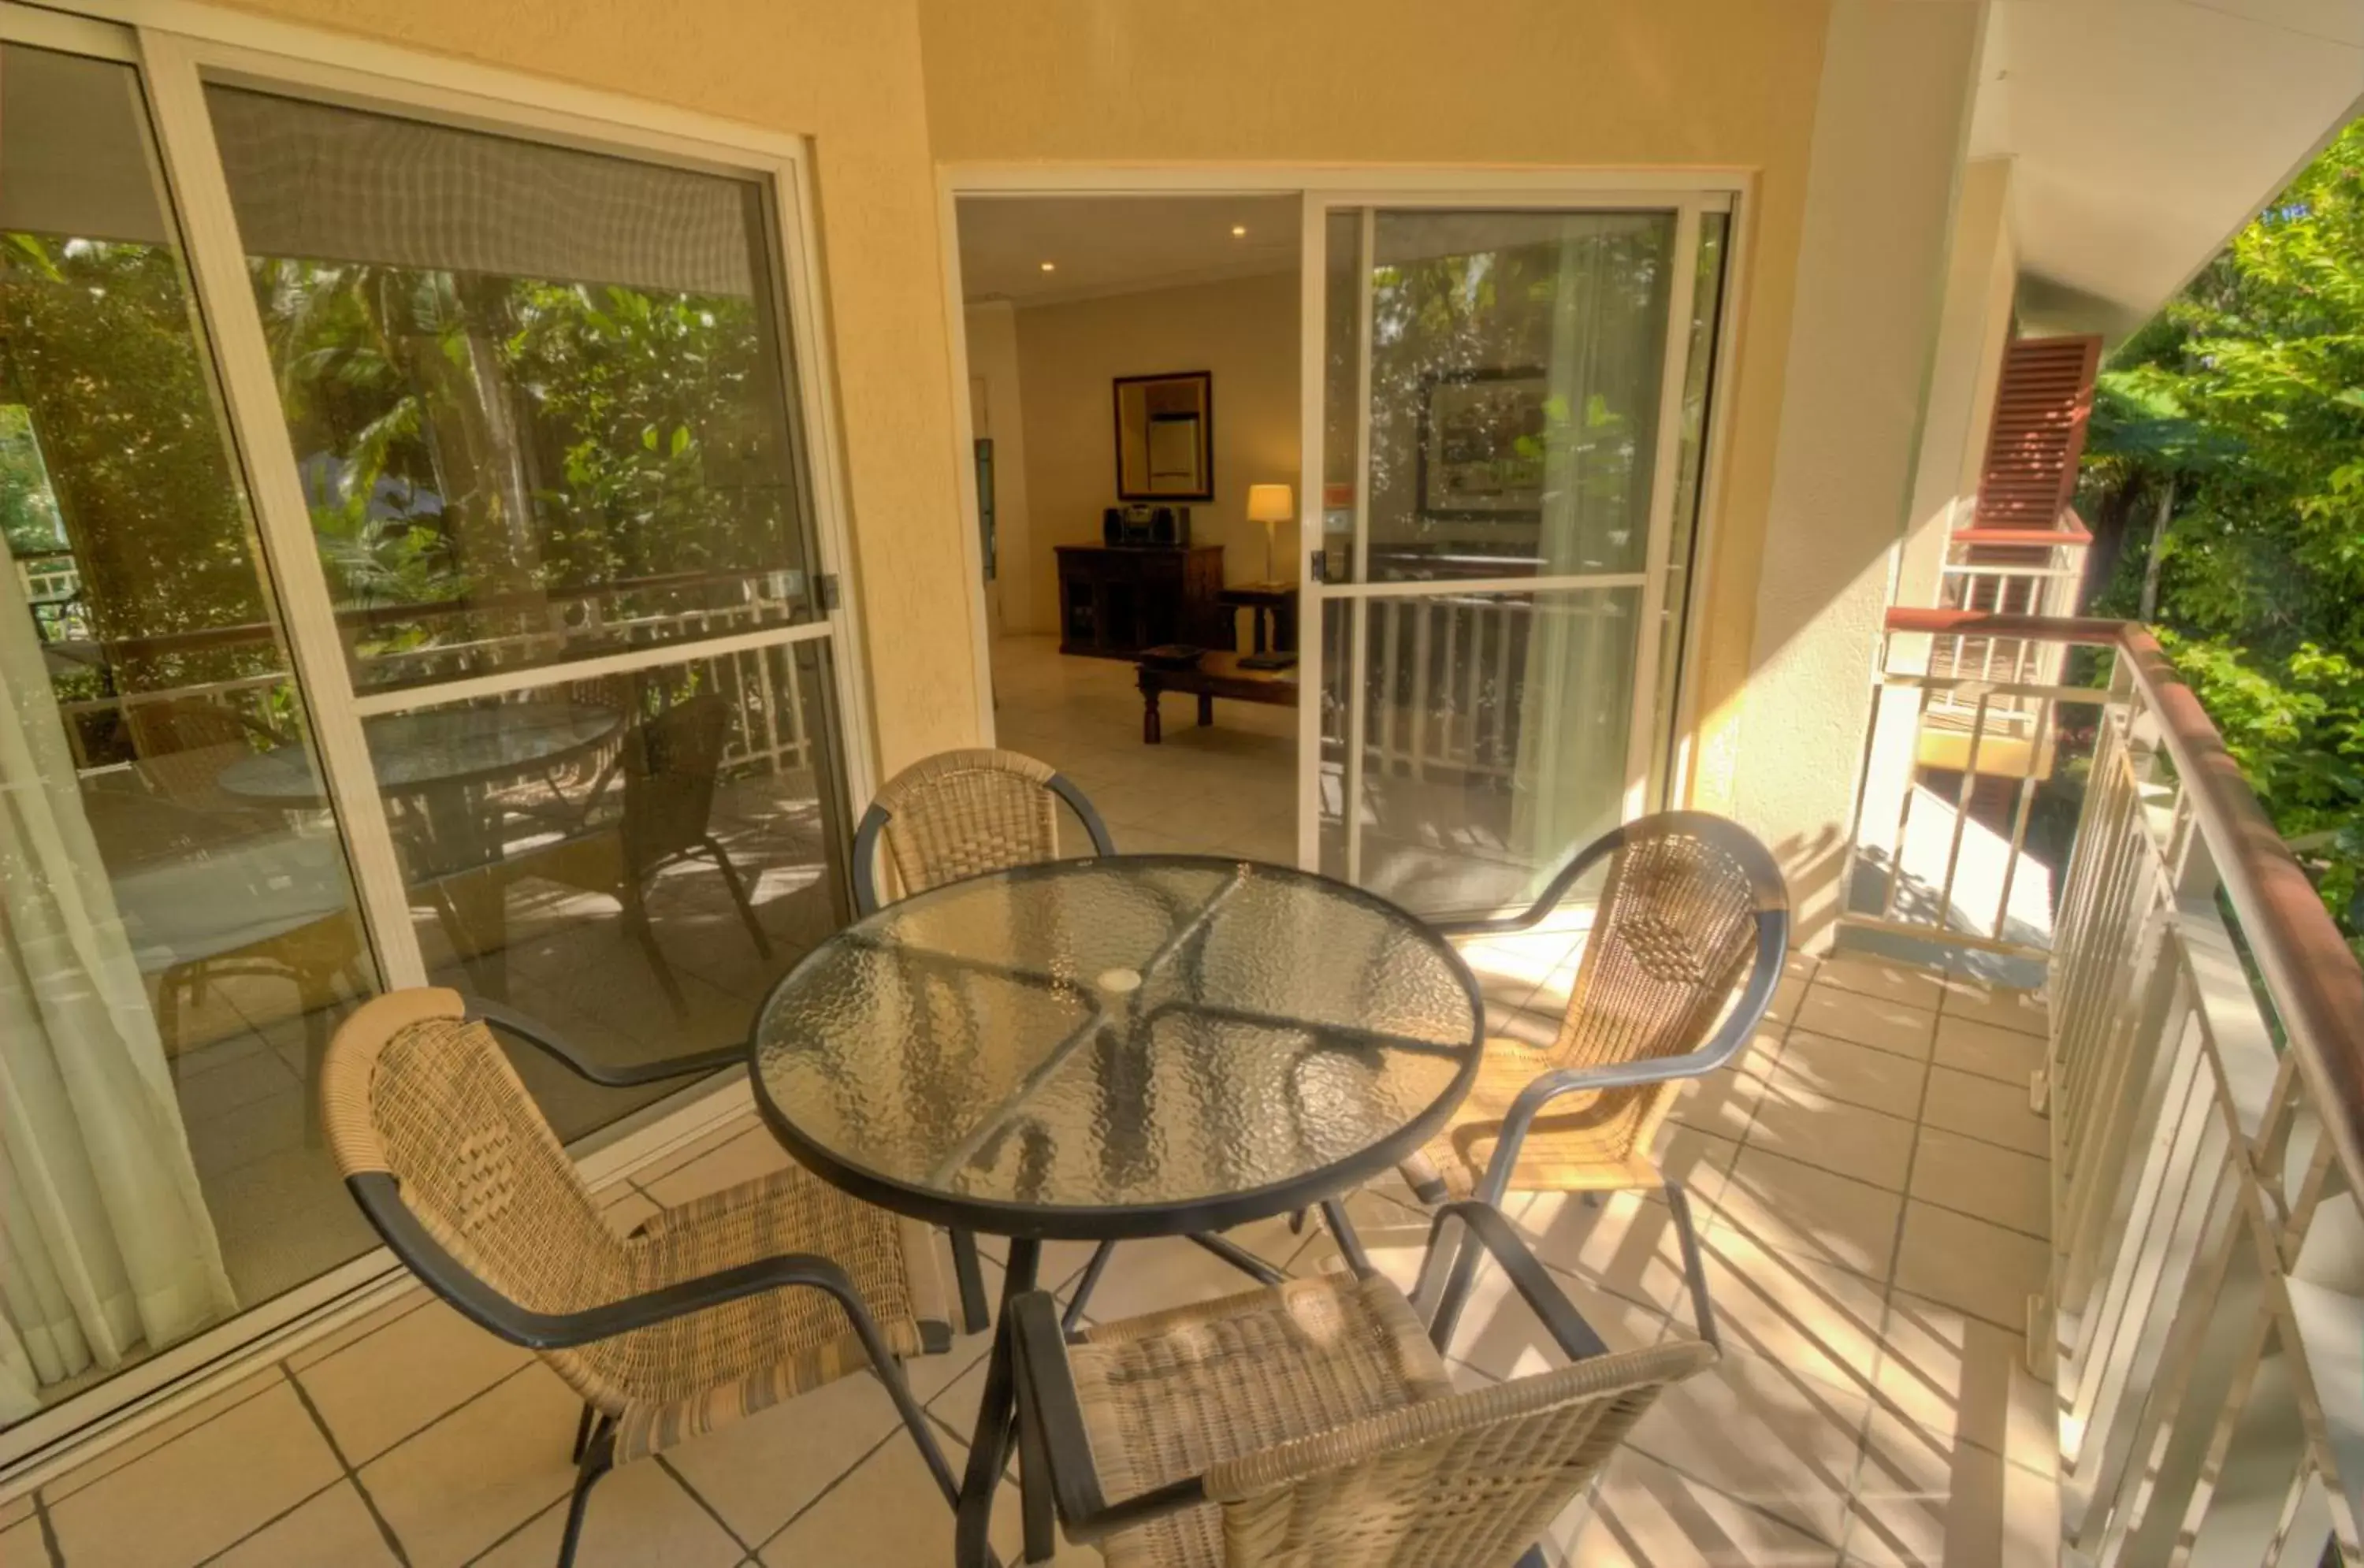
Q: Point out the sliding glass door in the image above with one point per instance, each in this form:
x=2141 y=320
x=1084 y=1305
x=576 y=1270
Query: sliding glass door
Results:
x=1508 y=447
x=415 y=572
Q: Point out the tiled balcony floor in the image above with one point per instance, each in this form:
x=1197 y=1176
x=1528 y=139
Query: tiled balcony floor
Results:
x=1872 y=1190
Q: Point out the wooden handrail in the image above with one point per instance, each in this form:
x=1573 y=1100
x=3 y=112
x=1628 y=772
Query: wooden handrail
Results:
x=2316 y=984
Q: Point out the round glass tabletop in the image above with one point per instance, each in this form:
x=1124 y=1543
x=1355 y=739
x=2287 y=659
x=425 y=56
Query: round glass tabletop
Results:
x=433 y=747
x=1132 y=1046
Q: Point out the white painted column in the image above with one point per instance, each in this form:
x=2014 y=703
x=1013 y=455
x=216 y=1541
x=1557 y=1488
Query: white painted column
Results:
x=1891 y=124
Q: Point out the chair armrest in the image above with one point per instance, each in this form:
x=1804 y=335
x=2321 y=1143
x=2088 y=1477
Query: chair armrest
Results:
x=1528 y=1277
x=380 y=1196
x=1051 y=1415
x=583 y=1066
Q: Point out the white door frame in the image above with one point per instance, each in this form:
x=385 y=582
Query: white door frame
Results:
x=1319 y=185
x=1686 y=202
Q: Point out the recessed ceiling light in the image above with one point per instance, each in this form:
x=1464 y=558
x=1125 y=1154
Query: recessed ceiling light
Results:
x=1050 y=266
x=1239 y=230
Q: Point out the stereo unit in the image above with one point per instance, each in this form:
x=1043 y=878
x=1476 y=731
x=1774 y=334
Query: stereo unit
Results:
x=1142 y=525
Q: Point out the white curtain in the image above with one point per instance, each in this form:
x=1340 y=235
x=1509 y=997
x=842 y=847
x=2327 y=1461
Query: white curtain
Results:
x=104 y=1241
x=1607 y=345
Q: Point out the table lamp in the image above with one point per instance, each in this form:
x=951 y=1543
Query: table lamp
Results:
x=1270 y=505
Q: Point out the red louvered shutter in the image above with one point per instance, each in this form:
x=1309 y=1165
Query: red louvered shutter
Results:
x=2043 y=400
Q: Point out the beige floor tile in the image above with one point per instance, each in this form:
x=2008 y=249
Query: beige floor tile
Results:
x=2020 y=1010
x=1868 y=1145
x=1764 y=1434
x=1921 y=1501
x=1817 y=1069
x=757 y=1473
x=1969 y=1265
x=1787 y=996
x=1982 y=1107
x=1724 y=1102
x=698 y=1148
x=1009 y=1536
x=627 y=1208
x=752 y=1153
x=1644 y=1515
x=638 y=1517
x=21 y=1546
x=1868 y=1021
x=155 y=1437
x=1966 y=1045
x=1173 y=1271
x=1625 y=1245
x=410 y=1298
x=888 y=1510
x=1958 y=1376
x=1888 y=979
x=1811 y=1213
x=335 y=1527
x=1500 y=1336
x=454 y=1489
x=390 y=1385
x=1814 y=1318
x=15 y=1510
x=1983 y=1180
x=202 y=1491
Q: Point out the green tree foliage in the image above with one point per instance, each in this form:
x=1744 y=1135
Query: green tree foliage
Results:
x=2243 y=403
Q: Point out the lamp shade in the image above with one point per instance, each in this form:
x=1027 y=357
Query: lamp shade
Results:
x=1271 y=503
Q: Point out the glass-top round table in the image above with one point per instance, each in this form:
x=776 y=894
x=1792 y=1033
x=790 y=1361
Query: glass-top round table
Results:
x=1101 y=1050
x=1133 y=1046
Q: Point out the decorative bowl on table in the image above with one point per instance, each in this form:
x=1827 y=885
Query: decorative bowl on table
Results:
x=1172 y=656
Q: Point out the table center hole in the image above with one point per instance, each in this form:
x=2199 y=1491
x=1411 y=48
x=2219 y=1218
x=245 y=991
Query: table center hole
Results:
x=1120 y=981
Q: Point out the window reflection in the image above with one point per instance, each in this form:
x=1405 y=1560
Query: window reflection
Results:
x=532 y=390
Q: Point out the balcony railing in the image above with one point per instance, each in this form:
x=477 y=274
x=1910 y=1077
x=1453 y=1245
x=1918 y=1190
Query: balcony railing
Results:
x=2204 y=1084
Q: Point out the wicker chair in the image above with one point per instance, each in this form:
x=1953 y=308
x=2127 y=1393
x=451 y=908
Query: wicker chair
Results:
x=960 y=813
x=1315 y=1423
x=1694 y=906
x=711 y=1311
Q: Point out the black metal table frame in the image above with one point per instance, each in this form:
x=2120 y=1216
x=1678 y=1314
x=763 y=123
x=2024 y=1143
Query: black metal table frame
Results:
x=1027 y=1227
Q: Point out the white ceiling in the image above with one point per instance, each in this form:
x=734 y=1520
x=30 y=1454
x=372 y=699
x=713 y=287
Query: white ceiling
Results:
x=1106 y=245
x=2145 y=133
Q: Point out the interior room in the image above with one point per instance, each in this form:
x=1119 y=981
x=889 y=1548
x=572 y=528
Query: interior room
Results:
x=1134 y=385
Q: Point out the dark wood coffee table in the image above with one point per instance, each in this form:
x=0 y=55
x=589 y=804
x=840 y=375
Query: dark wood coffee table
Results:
x=1214 y=675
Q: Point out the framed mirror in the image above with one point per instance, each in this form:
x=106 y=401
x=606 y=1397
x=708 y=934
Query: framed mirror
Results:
x=1166 y=436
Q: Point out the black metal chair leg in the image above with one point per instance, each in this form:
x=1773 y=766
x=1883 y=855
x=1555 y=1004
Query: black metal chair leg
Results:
x=599 y=1458
x=1091 y=1277
x=1533 y=1558
x=583 y=1432
x=636 y=923
x=739 y=895
x=968 y=1273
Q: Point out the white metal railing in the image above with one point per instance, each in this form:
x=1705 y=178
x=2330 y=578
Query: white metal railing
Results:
x=2204 y=1084
x=771 y=728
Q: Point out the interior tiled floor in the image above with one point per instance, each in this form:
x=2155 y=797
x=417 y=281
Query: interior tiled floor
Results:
x=1870 y=1185
x=1226 y=788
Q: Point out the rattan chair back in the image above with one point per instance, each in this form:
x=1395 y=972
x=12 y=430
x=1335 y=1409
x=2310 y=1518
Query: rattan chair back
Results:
x=413 y=1088
x=670 y=766
x=963 y=813
x=1467 y=1480
x=1675 y=932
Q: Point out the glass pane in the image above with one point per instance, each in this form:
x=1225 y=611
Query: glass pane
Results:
x=1515 y=366
x=1690 y=463
x=176 y=950
x=535 y=393
x=1493 y=745
x=633 y=859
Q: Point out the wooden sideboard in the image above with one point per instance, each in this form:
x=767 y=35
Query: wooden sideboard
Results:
x=1116 y=601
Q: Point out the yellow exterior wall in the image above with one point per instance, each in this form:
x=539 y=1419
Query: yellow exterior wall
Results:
x=845 y=73
x=1585 y=84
